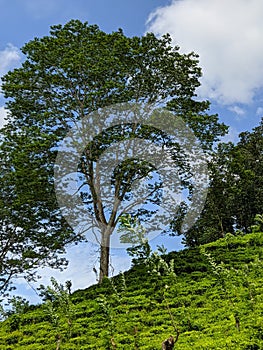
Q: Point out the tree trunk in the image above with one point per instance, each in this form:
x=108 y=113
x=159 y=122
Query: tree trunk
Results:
x=168 y=344
x=104 y=255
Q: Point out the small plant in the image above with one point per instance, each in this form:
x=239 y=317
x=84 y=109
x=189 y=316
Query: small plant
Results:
x=108 y=311
x=163 y=272
x=135 y=234
x=2 y=312
x=258 y=227
x=231 y=281
x=16 y=307
x=59 y=307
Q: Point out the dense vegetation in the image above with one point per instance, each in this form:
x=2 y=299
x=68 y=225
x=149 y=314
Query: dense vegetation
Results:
x=208 y=296
x=65 y=79
x=214 y=300
x=56 y=88
x=236 y=189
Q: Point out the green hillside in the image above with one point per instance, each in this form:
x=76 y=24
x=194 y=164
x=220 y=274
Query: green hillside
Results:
x=214 y=300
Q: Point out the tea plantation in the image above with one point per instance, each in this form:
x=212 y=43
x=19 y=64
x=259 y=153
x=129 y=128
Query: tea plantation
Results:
x=213 y=301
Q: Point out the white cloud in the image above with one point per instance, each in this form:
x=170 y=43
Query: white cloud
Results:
x=237 y=110
x=79 y=270
x=82 y=258
x=240 y=112
x=227 y=34
x=3 y=114
x=232 y=136
x=259 y=111
x=9 y=57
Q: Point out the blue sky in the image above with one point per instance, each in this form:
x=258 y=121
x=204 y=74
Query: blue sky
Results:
x=227 y=34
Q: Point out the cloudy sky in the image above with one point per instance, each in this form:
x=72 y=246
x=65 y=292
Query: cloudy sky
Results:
x=227 y=35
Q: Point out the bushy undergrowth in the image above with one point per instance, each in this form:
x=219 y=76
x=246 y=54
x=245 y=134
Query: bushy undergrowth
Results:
x=214 y=299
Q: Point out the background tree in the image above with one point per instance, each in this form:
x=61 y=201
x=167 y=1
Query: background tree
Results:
x=65 y=76
x=235 y=194
x=247 y=168
x=28 y=233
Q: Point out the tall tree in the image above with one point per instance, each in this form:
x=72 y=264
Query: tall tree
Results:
x=247 y=167
x=65 y=77
x=236 y=190
x=216 y=218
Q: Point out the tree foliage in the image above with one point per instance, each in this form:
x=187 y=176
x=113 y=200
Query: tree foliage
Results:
x=65 y=76
x=235 y=194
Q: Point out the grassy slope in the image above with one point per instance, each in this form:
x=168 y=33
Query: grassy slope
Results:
x=204 y=307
